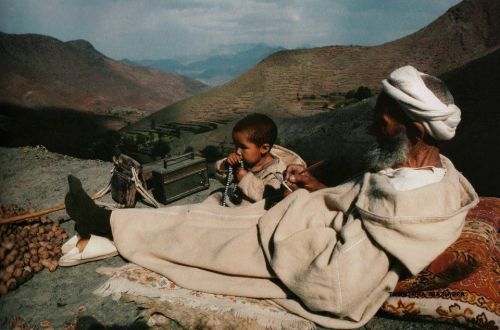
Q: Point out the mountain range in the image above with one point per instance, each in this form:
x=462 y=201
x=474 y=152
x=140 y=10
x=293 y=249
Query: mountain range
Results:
x=67 y=95
x=284 y=83
x=41 y=71
x=227 y=63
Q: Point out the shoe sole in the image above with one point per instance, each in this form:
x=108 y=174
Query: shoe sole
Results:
x=74 y=262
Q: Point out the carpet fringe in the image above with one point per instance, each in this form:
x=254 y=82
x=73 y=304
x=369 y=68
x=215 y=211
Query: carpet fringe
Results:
x=271 y=317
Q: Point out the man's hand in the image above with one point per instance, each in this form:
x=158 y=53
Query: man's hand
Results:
x=298 y=178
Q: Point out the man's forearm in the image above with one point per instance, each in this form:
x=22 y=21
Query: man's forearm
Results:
x=313 y=186
x=319 y=186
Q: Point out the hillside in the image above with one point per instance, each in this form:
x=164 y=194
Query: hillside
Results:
x=340 y=137
x=67 y=95
x=41 y=71
x=283 y=83
x=475 y=147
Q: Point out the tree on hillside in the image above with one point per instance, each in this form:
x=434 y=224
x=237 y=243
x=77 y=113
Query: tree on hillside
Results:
x=160 y=149
x=211 y=153
x=361 y=93
x=140 y=139
x=127 y=144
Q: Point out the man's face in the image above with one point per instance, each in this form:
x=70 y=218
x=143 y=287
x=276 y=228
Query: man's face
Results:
x=392 y=143
x=249 y=151
x=385 y=127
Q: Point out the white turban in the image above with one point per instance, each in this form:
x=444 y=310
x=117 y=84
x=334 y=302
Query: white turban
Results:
x=406 y=86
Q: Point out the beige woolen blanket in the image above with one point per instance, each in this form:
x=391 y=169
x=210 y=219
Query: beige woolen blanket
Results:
x=331 y=256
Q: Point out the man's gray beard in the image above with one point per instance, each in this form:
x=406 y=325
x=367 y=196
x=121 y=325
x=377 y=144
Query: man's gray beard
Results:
x=382 y=156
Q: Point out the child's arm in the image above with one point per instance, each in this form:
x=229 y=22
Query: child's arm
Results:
x=222 y=165
x=221 y=170
x=254 y=188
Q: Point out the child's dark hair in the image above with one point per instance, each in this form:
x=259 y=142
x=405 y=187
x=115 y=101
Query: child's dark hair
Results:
x=260 y=128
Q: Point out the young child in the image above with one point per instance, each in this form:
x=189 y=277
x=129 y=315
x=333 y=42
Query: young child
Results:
x=263 y=161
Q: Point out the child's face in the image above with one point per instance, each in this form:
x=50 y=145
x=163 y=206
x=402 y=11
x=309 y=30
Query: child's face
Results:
x=249 y=151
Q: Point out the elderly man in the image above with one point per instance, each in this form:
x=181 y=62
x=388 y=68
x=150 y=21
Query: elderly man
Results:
x=331 y=255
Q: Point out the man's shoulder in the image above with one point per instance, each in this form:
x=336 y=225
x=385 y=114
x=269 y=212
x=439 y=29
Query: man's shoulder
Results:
x=438 y=199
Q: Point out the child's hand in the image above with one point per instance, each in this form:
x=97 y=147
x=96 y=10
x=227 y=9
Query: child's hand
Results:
x=233 y=160
x=239 y=173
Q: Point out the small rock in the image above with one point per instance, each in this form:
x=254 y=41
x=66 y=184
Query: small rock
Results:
x=46 y=325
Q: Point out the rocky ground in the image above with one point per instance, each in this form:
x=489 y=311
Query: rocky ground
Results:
x=32 y=177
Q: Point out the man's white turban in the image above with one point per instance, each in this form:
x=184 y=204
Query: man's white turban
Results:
x=406 y=86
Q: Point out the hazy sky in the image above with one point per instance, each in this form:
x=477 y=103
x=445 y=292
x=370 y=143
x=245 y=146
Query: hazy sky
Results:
x=153 y=29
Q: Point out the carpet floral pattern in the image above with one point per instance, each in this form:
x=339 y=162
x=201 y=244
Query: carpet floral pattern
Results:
x=462 y=284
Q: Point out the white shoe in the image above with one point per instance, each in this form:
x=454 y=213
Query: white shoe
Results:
x=97 y=248
x=70 y=244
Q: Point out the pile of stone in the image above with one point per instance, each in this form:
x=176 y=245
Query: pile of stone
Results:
x=27 y=247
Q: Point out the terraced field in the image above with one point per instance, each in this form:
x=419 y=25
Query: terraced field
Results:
x=150 y=143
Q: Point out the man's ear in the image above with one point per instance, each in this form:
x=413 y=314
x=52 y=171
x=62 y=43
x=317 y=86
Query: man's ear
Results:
x=265 y=148
x=420 y=130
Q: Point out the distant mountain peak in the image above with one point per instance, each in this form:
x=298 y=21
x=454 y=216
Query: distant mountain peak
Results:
x=233 y=49
x=222 y=64
x=85 y=48
x=82 y=44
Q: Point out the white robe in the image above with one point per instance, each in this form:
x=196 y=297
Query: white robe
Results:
x=331 y=256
